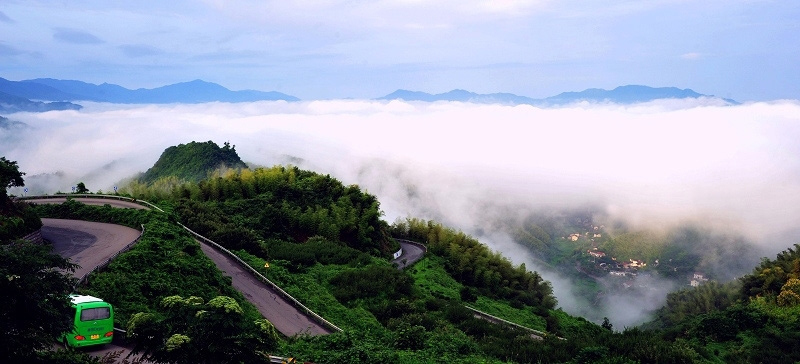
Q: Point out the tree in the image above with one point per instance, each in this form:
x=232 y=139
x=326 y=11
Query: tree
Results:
x=35 y=310
x=193 y=331
x=607 y=324
x=790 y=293
x=10 y=176
x=81 y=188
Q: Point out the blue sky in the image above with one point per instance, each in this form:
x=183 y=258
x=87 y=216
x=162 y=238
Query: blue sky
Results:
x=742 y=49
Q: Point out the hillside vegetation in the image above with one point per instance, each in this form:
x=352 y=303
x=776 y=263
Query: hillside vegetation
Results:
x=755 y=319
x=16 y=219
x=192 y=162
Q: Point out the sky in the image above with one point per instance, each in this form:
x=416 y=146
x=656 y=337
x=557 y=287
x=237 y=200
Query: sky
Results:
x=333 y=49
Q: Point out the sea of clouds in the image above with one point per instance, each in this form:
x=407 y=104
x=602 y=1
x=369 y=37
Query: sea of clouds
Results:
x=735 y=169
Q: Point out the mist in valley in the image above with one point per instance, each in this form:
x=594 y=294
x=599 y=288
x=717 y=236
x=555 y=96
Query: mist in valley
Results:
x=728 y=172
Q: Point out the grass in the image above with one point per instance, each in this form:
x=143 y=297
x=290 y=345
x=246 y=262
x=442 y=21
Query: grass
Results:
x=310 y=288
x=431 y=278
x=520 y=316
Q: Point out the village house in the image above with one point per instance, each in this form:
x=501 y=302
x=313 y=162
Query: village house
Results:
x=637 y=263
x=596 y=254
x=697 y=279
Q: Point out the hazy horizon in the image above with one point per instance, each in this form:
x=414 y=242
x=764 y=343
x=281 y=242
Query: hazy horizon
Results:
x=740 y=49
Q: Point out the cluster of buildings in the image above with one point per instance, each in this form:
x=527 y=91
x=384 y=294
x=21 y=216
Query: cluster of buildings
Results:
x=620 y=269
x=697 y=279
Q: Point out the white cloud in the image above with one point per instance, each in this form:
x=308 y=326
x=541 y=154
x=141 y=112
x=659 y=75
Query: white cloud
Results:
x=661 y=160
x=75 y=36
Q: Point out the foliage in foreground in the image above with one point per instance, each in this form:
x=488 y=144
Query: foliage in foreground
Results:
x=191 y=330
x=16 y=219
x=35 y=309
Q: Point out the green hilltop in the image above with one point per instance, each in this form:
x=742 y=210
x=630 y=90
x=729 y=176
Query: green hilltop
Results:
x=193 y=162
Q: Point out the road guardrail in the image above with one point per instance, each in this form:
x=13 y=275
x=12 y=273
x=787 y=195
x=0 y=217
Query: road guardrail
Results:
x=319 y=319
x=91 y=195
x=266 y=281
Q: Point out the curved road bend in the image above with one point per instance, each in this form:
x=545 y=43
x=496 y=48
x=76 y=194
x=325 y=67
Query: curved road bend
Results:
x=287 y=319
x=411 y=254
x=88 y=244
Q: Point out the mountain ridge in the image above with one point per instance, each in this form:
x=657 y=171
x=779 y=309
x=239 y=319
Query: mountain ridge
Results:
x=19 y=95
x=196 y=91
x=628 y=94
x=11 y=103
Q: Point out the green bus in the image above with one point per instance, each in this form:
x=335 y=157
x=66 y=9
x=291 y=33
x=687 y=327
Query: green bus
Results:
x=94 y=322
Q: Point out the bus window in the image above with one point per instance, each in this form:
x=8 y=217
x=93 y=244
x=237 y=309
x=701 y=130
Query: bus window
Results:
x=98 y=313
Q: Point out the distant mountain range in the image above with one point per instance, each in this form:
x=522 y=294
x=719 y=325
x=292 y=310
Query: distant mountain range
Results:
x=12 y=103
x=8 y=124
x=45 y=94
x=459 y=95
x=17 y=95
x=621 y=95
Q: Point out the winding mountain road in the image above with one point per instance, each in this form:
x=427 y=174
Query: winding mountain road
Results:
x=86 y=243
x=89 y=244
x=287 y=319
x=412 y=252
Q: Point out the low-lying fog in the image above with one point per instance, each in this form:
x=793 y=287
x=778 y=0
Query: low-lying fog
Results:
x=735 y=169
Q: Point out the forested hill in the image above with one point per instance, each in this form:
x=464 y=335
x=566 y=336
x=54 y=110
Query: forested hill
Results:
x=193 y=162
x=753 y=320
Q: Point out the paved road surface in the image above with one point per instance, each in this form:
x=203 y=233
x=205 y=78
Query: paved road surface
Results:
x=86 y=243
x=284 y=316
x=411 y=254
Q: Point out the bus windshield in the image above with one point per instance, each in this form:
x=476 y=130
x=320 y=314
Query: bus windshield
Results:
x=99 y=313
